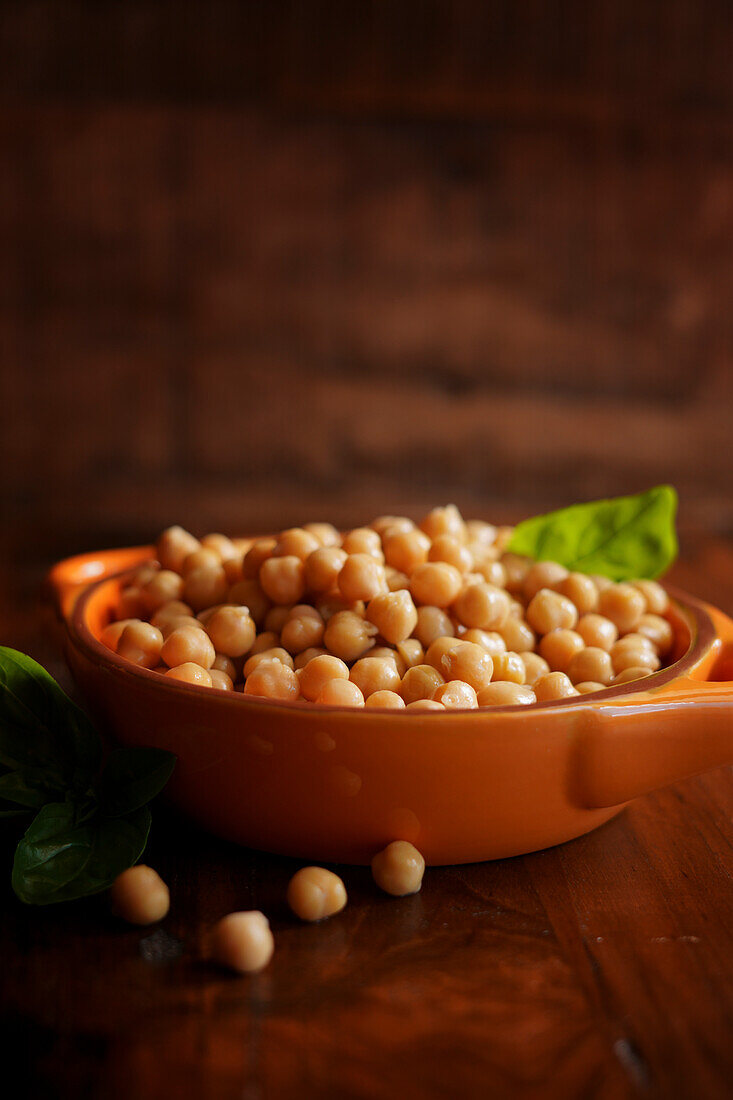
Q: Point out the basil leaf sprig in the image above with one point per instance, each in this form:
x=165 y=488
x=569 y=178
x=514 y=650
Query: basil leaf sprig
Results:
x=625 y=538
x=91 y=820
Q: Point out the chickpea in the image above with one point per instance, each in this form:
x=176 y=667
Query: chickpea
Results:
x=243 y=942
x=322 y=568
x=340 y=693
x=303 y=630
x=559 y=647
x=283 y=579
x=396 y=580
x=516 y=568
x=581 y=590
x=256 y=556
x=268 y=639
x=549 y=610
x=140 y=643
x=456 y=695
x=190 y=673
x=163 y=586
x=220 y=680
x=444 y=521
x=174 y=546
x=225 y=664
x=425 y=704
x=248 y=593
x=372 y=674
x=205 y=586
x=389 y=654
x=188 y=644
x=482 y=606
x=591 y=663
x=411 y=652
x=491 y=640
x=493 y=572
x=543 y=574
x=348 y=635
x=139 y=895
x=112 y=633
x=363 y=540
x=295 y=543
x=232 y=631
x=597 y=631
x=332 y=604
x=389 y=699
x=505 y=693
x=655 y=597
x=274 y=654
x=233 y=569
x=398 y=869
x=534 y=667
x=420 y=682
x=326 y=533
x=200 y=559
x=318 y=672
x=587 y=687
x=361 y=578
x=394 y=615
x=623 y=605
x=468 y=662
x=451 y=550
x=479 y=531
x=174 y=609
x=518 y=635
x=315 y=893
x=633 y=656
x=556 y=685
x=276 y=618
x=222 y=546
x=307 y=655
x=272 y=679
x=510 y=668
x=637 y=672
x=170 y=625
x=406 y=550
x=397 y=524
x=437 y=650
x=658 y=631
x=432 y=623
x=130 y=603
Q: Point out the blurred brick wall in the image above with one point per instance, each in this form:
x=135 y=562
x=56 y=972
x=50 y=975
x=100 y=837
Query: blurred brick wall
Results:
x=263 y=260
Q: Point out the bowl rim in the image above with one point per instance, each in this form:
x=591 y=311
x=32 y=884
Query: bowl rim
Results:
x=692 y=611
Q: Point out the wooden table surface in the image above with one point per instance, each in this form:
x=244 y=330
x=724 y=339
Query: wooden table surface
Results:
x=601 y=968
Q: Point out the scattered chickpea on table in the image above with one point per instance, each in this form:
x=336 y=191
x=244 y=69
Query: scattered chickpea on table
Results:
x=433 y=616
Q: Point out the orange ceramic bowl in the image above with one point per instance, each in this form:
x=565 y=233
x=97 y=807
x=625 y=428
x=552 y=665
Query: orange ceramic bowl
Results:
x=338 y=784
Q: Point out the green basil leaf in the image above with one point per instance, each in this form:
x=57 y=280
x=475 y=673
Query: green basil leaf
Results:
x=132 y=777
x=59 y=860
x=13 y=813
x=29 y=787
x=626 y=538
x=40 y=727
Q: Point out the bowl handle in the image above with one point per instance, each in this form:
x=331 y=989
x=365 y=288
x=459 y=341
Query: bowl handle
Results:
x=69 y=578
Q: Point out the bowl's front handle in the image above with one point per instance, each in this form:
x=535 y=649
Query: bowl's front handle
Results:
x=69 y=578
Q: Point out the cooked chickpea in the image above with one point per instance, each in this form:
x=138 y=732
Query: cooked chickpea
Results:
x=389 y=699
x=329 y=606
x=559 y=647
x=307 y=655
x=493 y=572
x=534 y=667
x=174 y=609
x=363 y=540
x=587 y=687
x=303 y=630
x=188 y=644
x=174 y=546
x=556 y=685
x=437 y=650
x=456 y=695
x=658 y=631
x=597 y=631
x=389 y=654
x=233 y=569
x=591 y=663
x=348 y=635
x=549 y=610
x=169 y=625
x=220 y=680
x=398 y=869
x=505 y=693
x=141 y=643
x=272 y=679
x=633 y=656
x=411 y=652
x=372 y=674
x=222 y=546
x=656 y=599
x=163 y=586
x=361 y=577
x=205 y=586
x=322 y=568
x=274 y=654
x=256 y=556
x=200 y=559
x=516 y=569
x=283 y=579
x=510 y=668
x=232 y=630
x=139 y=895
x=382 y=524
x=479 y=531
x=268 y=639
x=225 y=664
x=491 y=640
x=425 y=704
x=297 y=543
x=112 y=633
x=318 y=672
x=449 y=549
x=130 y=603
x=636 y=672
x=543 y=574
x=623 y=605
x=394 y=615
x=249 y=594
x=395 y=579
x=468 y=662
x=190 y=673
x=518 y=635
x=406 y=549
x=420 y=682
x=432 y=623
x=276 y=618
x=315 y=893
x=243 y=942
x=326 y=533
x=340 y=693
x=482 y=606
x=444 y=521
x=582 y=590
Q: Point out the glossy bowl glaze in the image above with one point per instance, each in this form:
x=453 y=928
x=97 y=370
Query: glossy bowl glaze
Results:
x=338 y=784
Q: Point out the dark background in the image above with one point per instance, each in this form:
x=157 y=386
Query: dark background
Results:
x=262 y=262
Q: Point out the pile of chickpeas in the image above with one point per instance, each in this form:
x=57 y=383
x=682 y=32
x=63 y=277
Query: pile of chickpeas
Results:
x=432 y=616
